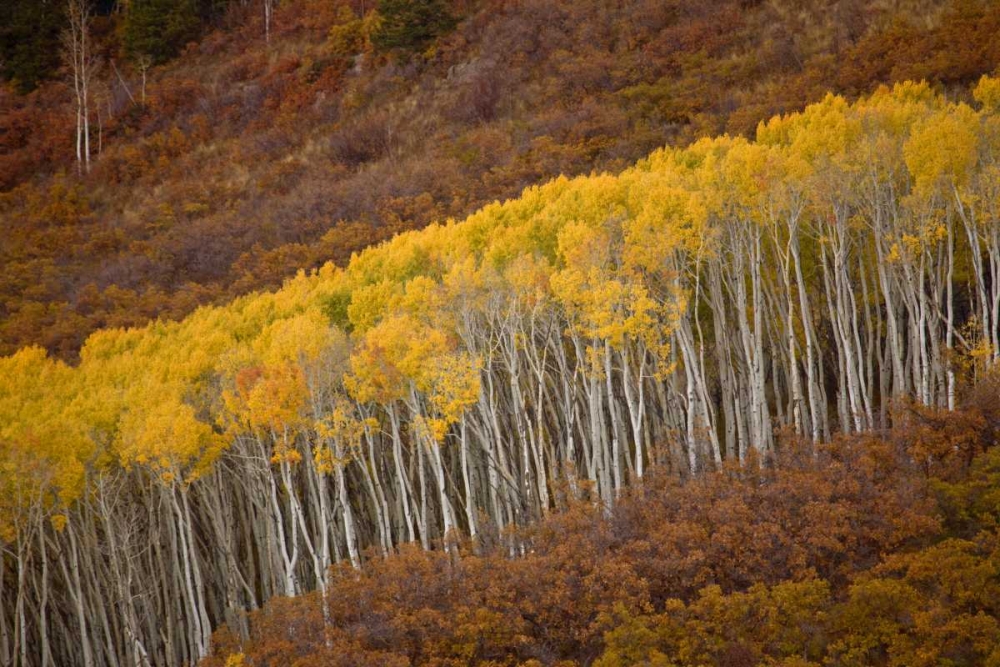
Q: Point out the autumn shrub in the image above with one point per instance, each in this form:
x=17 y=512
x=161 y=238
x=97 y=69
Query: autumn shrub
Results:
x=837 y=553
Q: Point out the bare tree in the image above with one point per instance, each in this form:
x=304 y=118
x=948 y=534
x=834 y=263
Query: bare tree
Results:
x=143 y=63
x=83 y=65
x=268 y=13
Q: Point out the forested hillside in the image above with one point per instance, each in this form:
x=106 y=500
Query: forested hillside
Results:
x=733 y=305
x=228 y=144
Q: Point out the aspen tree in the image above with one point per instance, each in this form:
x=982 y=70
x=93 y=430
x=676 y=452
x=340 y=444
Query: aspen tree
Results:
x=83 y=64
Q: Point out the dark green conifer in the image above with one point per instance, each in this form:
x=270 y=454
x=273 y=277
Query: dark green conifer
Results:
x=29 y=41
x=410 y=26
x=160 y=28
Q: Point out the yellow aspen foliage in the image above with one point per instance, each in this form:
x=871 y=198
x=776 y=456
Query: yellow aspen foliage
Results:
x=601 y=302
x=987 y=93
x=300 y=339
x=527 y=225
x=454 y=387
x=822 y=132
x=748 y=172
x=42 y=456
x=369 y=304
x=465 y=285
x=403 y=257
x=162 y=432
x=528 y=277
x=398 y=351
x=666 y=219
x=894 y=110
x=943 y=147
x=373 y=377
x=271 y=402
x=341 y=426
x=422 y=298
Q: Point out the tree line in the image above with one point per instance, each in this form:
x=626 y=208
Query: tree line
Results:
x=456 y=384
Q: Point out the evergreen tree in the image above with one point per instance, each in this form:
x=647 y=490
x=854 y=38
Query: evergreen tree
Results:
x=410 y=26
x=160 y=28
x=29 y=41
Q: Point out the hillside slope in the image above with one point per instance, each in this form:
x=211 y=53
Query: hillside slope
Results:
x=249 y=160
x=713 y=307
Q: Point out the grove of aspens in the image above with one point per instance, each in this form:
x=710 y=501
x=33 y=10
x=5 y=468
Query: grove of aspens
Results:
x=735 y=404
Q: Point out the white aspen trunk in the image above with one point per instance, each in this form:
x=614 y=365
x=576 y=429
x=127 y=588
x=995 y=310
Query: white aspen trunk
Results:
x=194 y=614
x=763 y=411
x=382 y=505
x=288 y=559
x=691 y=404
x=401 y=478
x=205 y=624
x=79 y=142
x=424 y=523
x=724 y=362
x=888 y=296
x=490 y=439
x=298 y=517
x=595 y=470
x=78 y=598
x=747 y=257
x=616 y=428
x=268 y=12
x=6 y=657
x=86 y=126
x=350 y=532
x=536 y=430
x=817 y=405
x=950 y=318
x=870 y=346
x=634 y=399
x=470 y=504
x=21 y=636
x=76 y=45
x=976 y=257
x=528 y=487
x=447 y=512
x=121 y=572
x=795 y=381
x=860 y=406
x=568 y=408
x=43 y=602
x=783 y=253
x=509 y=487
